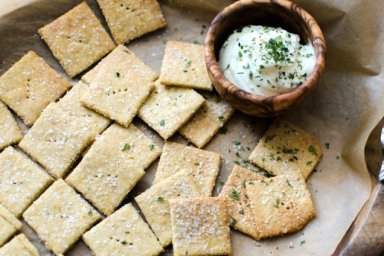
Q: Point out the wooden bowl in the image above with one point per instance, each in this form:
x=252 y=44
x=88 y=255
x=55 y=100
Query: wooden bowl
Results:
x=274 y=13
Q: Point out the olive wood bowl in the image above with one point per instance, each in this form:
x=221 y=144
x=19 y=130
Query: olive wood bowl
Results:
x=274 y=13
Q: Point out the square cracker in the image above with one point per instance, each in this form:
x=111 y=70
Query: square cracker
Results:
x=280 y=205
x=30 y=85
x=9 y=225
x=239 y=209
x=77 y=39
x=285 y=148
x=200 y=226
x=20 y=246
x=10 y=132
x=129 y=19
x=123 y=233
x=118 y=86
x=184 y=65
x=21 y=180
x=62 y=132
x=112 y=166
x=214 y=113
x=154 y=202
x=204 y=164
x=60 y=216
x=169 y=108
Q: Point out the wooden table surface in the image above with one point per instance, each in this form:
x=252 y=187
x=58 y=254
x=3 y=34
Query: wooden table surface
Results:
x=366 y=235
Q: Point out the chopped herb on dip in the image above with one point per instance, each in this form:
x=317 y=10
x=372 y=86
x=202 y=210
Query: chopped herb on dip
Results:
x=266 y=60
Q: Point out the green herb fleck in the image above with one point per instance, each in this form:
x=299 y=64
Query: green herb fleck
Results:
x=220 y=117
x=312 y=150
x=327 y=145
x=160 y=199
x=126 y=147
x=302 y=242
x=197 y=164
x=277 y=203
x=117 y=74
x=223 y=130
x=124 y=242
x=235 y=195
x=337 y=157
x=236 y=142
x=162 y=123
x=151 y=146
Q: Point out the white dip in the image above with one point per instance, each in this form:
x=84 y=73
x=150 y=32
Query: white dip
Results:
x=266 y=60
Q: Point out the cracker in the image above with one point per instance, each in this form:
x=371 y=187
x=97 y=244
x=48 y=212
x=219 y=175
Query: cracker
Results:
x=123 y=233
x=154 y=202
x=20 y=246
x=30 y=85
x=62 y=132
x=176 y=157
x=239 y=209
x=21 y=180
x=113 y=166
x=280 y=205
x=77 y=39
x=285 y=148
x=129 y=19
x=9 y=225
x=60 y=216
x=200 y=226
x=10 y=132
x=207 y=121
x=184 y=65
x=168 y=109
x=118 y=86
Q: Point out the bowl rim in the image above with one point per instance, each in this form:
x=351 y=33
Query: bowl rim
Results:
x=287 y=97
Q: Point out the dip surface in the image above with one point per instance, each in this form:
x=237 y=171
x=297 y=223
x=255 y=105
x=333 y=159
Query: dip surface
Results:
x=266 y=60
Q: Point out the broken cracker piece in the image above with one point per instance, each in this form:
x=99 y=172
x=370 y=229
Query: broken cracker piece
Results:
x=118 y=86
x=129 y=19
x=62 y=132
x=77 y=39
x=280 y=205
x=9 y=225
x=123 y=233
x=184 y=65
x=21 y=180
x=176 y=157
x=60 y=216
x=168 y=108
x=207 y=121
x=200 y=226
x=112 y=166
x=20 y=246
x=239 y=208
x=154 y=202
x=10 y=132
x=30 y=85
x=285 y=148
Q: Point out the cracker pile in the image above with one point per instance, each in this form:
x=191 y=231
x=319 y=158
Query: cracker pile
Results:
x=83 y=156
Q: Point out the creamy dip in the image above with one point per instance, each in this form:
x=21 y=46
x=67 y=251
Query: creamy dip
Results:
x=266 y=60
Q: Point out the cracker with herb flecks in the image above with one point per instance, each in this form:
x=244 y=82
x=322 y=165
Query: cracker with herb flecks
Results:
x=118 y=86
x=77 y=39
x=280 y=205
x=123 y=233
x=207 y=121
x=60 y=216
x=10 y=132
x=9 y=225
x=184 y=65
x=30 y=85
x=112 y=166
x=169 y=108
x=200 y=226
x=154 y=202
x=62 y=132
x=238 y=201
x=21 y=180
x=203 y=163
x=20 y=246
x=129 y=19
x=285 y=148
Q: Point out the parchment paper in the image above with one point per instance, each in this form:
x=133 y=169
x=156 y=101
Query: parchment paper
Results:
x=342 y=110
